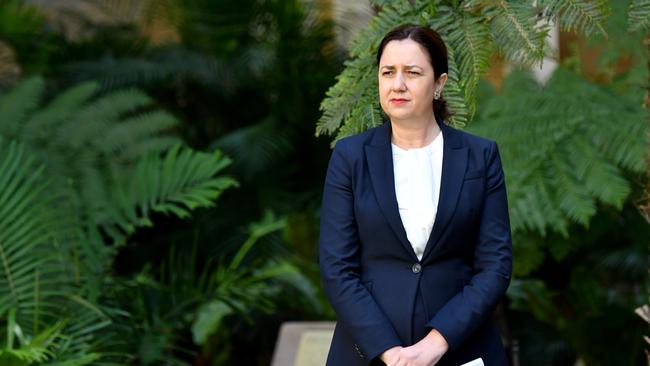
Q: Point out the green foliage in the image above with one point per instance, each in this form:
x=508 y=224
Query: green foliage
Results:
x=585 y=149
x=45 y=316
x=639 y=14
x=579 y=299
x=18 y=20
x=106 y=149
x=579 y=15
x=177 y=183
x=248 y=77
x=472 y=30
x=515 y=29
x=583 y=145
x=65 y=189
x=21 y=27
x=188 y=297
x=470 y=35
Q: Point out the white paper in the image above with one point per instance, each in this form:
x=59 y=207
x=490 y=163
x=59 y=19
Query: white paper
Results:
x=477 y=362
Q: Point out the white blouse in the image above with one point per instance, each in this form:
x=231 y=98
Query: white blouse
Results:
x=417 y=186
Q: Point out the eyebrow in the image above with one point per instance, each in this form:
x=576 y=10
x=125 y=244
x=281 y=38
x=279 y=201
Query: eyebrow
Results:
x=391 y=67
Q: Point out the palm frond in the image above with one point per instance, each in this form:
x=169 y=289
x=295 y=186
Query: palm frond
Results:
x=238 y=288
x=35 y=284
x=177 y=183
x=23 y=226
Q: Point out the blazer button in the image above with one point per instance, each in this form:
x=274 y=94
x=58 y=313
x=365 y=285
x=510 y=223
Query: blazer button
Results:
x=416 y=268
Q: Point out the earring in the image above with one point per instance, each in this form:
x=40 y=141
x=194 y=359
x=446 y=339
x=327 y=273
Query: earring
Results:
x=436 y=95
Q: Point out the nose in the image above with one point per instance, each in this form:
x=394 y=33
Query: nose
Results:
x=398 y=82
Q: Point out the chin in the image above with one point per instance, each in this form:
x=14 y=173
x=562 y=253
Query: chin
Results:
x=399 y=116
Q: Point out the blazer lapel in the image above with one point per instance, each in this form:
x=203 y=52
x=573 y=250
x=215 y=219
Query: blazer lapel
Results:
x=379 y=156
x=454 y=164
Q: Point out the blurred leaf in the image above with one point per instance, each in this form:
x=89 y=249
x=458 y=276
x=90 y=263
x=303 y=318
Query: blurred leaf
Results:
x=208 y=320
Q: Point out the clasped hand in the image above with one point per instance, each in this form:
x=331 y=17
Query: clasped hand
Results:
x=427 y=352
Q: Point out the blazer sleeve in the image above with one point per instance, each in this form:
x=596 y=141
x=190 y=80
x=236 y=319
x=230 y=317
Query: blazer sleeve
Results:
x=464 y=312
x=339 y=256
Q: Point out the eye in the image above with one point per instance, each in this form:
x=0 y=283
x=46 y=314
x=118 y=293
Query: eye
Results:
x=387 y=73
x=413 y=72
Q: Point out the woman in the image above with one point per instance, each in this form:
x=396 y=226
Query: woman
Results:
x=415 y=247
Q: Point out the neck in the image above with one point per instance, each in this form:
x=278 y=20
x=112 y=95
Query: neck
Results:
x=413 y=134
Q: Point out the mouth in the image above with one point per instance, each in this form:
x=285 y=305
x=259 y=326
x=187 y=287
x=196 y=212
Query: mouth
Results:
x=398 y=100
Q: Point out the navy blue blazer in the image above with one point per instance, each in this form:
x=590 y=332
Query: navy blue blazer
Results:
x=371 y=274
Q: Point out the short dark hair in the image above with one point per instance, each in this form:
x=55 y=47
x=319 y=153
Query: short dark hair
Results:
x=431 y=41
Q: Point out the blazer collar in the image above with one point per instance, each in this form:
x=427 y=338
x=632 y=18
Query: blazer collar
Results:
x=380 y=163
x=382 y=135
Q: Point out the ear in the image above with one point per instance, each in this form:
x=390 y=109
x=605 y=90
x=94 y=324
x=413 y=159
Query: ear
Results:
x=442 y=80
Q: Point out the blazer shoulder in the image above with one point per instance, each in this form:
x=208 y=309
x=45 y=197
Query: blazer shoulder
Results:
x=474 y=141
x=353 y=146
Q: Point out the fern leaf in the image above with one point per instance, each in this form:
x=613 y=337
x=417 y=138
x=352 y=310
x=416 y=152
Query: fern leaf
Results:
x=471 y=40
x=639 y=15
x=567 y=157
x=95 y=118
x=39 y=126
x=132 y=130
x=579 y=15
x=177 y=183
x=17 y=104
x=455 y=96
x=515 y=30
x=256 y=147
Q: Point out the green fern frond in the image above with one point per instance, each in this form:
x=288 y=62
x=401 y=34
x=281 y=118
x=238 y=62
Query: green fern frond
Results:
x=23 y=224
x=639 y=15
x=470 y=40
x=34 y=281
x=568 y=156
x=95 y=118
x=579 y=15
x=256 y=147
x=41 y=124
x=53 y=251
x=89 y=142
x=346 y=94
x=157 y=144
x=18 y=104
x=455 y=96
x=472 y=30
x=130 y=131
x=177 y=183
x=515 y=30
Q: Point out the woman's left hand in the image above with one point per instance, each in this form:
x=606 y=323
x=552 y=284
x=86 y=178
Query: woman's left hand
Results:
x=426 y=352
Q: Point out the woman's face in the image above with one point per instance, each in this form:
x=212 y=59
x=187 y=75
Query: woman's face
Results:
x=406 y=81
